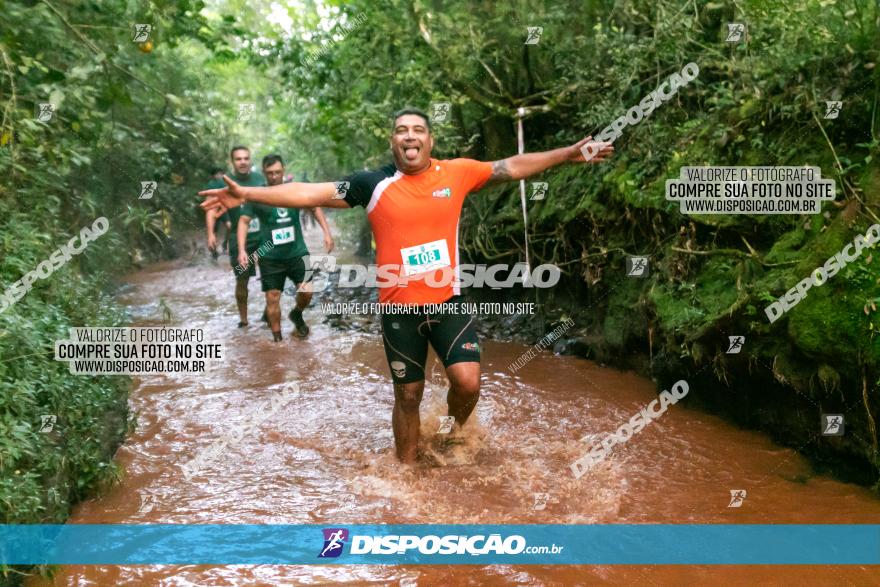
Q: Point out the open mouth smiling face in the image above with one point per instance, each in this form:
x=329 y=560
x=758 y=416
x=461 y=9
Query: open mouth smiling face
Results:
x=411 y=142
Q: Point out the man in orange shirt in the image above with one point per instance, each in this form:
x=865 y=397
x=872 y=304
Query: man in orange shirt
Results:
x=414 y=206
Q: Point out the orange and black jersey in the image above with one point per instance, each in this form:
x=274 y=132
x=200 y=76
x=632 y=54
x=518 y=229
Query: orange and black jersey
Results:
x=415 y=223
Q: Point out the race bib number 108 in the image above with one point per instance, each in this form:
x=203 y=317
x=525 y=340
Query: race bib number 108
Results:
x=426 y=257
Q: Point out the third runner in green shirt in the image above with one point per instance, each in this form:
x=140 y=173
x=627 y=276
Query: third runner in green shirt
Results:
x=240 y=157
x=281 y=227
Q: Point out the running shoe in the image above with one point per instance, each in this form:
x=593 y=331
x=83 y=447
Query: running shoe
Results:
x=296 y=316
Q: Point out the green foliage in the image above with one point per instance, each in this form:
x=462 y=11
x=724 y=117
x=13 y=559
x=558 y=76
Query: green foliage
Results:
x=323 y=94
x=759 y=102
x=122 y=116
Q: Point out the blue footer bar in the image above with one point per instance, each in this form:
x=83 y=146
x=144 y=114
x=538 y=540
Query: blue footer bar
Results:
x=642 y=544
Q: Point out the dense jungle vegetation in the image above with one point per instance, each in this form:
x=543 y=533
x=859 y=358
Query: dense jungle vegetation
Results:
x=324 y=77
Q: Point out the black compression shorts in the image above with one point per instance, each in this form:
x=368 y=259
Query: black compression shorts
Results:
x=406 y=338
x=273 y=272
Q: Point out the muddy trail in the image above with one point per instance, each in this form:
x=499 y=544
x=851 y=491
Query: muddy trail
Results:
x=327 y=457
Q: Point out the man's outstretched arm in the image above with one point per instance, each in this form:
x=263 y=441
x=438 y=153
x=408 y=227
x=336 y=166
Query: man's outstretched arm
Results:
x=285 y=195
x=528 y=164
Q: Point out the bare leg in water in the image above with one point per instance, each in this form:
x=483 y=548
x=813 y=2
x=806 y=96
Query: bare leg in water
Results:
x=464 y=391
x=241 y=298
x=405 y=419
x=273 y=312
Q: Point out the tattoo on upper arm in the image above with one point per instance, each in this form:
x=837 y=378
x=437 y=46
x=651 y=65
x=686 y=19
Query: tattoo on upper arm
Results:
x=500 y=172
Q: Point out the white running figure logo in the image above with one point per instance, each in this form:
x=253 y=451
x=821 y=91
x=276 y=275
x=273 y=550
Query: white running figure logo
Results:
x=737 y=497
x=832 y=424
x=335 y=542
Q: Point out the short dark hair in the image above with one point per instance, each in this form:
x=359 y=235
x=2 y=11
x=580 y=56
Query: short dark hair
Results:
x=409 y=110
x=237 y=148
x=272 y=160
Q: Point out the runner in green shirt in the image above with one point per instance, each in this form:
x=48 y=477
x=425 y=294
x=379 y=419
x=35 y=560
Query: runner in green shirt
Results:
x=240 y=157
x=281 y=251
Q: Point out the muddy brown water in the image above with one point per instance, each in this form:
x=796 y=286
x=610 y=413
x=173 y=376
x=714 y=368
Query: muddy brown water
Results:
x=327 y=458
